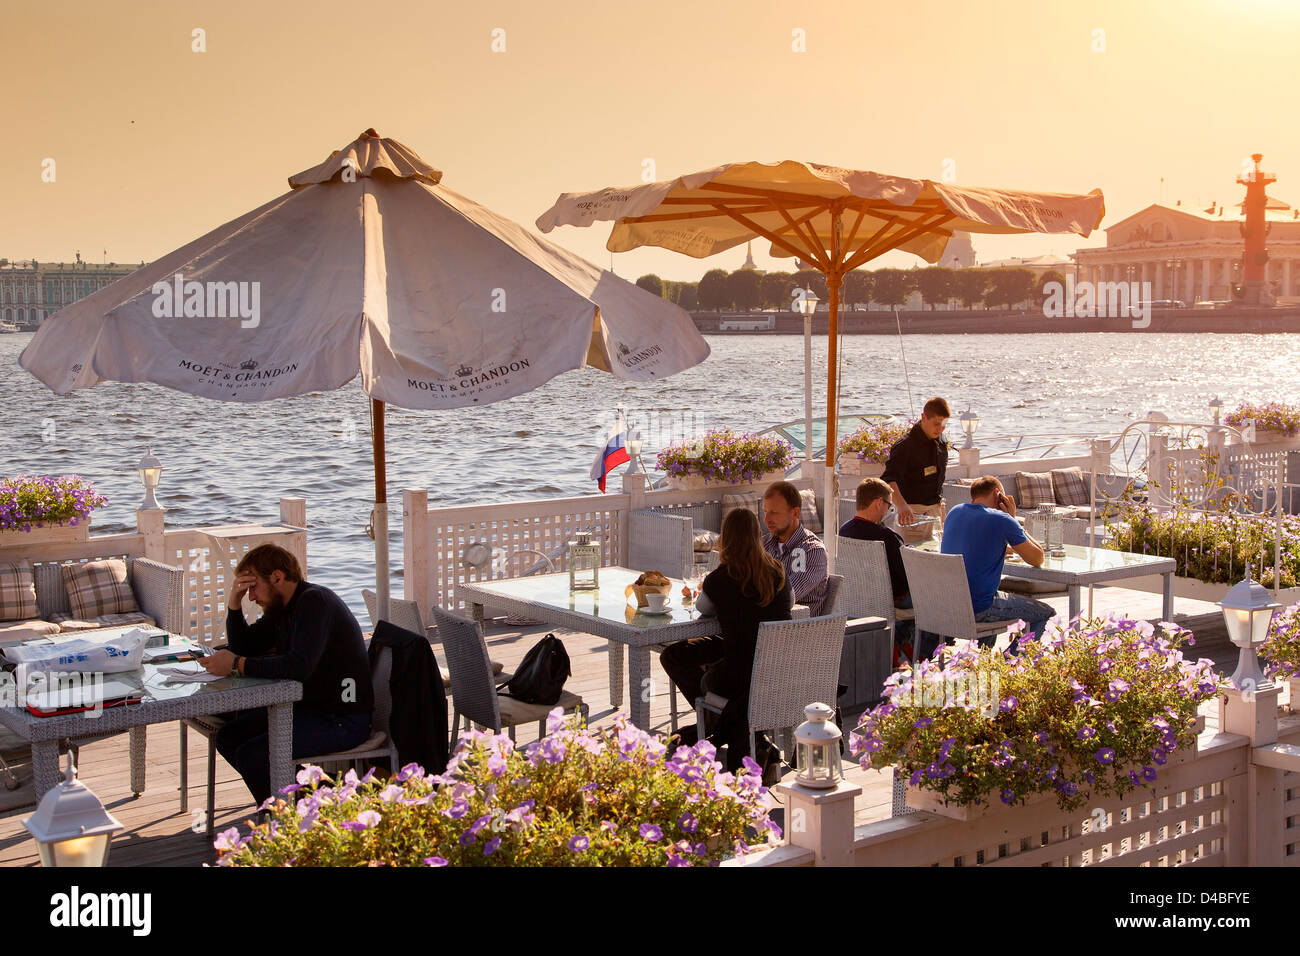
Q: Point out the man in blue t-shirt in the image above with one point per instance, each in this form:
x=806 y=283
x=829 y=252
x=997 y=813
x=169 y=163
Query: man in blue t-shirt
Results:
x=981 y=531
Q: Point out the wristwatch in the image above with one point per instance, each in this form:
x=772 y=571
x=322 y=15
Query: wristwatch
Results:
x=236 y=669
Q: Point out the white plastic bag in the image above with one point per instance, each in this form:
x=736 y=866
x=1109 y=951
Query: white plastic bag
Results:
x=122 y=652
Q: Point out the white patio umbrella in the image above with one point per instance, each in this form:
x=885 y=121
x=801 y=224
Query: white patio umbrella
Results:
x=834 y=218
x=368 y=264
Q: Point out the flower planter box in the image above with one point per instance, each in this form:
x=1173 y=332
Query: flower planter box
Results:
x=920 y=799
x=696 y=482
x=1294 y=701
x=1197 y=590
x=45 y=534
x=853 y=465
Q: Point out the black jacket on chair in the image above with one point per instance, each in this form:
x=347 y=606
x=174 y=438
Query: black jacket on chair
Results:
x=418 y=722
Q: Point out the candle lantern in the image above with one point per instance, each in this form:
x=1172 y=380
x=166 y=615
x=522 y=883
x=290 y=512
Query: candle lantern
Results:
x=818 y=743
x=584 y=563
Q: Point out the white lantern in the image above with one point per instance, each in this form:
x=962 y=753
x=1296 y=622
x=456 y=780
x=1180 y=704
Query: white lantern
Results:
x=71 y=826
x=1247 y=610
x=150 y=469
x=809 y=302
x=634 y=445
x=970 y=423
x=584 y=563
x=818 y=743
x=1216 y=408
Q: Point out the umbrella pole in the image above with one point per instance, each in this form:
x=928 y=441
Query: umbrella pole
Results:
x=380 y=514
x=829 y=495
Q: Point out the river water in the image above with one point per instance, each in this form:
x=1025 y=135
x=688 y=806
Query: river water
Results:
x=226 y=462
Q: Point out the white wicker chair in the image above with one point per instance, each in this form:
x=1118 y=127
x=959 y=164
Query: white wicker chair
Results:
x=941 y=597
x=473 y=685
x=868 y=592
x=795 y=664
x=403 y=614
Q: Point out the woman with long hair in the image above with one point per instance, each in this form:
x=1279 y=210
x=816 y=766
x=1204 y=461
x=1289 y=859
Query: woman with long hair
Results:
x=747 y=588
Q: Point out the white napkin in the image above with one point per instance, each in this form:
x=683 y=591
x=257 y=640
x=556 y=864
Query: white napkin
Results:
x=193 y=674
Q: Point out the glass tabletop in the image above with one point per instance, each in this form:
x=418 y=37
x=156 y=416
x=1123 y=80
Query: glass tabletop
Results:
x=610 y=602
x=1078 y=559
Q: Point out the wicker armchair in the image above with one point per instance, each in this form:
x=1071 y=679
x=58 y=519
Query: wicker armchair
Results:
x=473 y=685
x=941 y=597
x=663 y=539
x=158 y=589
x=795 y=664
x=868 y=592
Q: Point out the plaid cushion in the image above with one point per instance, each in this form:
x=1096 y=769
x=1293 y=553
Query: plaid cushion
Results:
x=705 y=540
x=17 y=592
x=731 y=502
x=1033 y=489
x=808 y=516
x=67 y=622
x=98 y=587
x=1071 y=487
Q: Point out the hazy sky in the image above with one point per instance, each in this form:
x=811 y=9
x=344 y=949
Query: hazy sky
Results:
x=155 y=144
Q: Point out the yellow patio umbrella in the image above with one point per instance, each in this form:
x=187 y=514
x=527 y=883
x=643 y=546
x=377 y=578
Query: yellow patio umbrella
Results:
x=833 y=218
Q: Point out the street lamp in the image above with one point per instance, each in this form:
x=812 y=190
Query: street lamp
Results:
x=150 y=469
x=970 y=423
x=71 y=826
x=634 y=445
x=808 y=306
x=1247 y=610
x=1216 y=408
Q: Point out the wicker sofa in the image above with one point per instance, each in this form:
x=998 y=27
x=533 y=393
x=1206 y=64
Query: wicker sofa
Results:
x=159 y=591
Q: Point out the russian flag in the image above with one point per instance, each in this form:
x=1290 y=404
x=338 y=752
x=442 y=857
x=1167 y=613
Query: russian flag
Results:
x=612 y=455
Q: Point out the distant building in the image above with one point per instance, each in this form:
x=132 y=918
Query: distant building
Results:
x=1193 y=254
x=30 y=292
x=749 y=260
x=959 y=253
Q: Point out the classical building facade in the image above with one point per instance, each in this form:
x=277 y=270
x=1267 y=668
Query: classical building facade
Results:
x=1192 y=254
x=30 y=292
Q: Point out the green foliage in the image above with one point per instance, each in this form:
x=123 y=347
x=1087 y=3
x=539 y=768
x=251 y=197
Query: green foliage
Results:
x=713 y=291
x=651 y=283
x=935 y=284
x=744 y=289
x=970 y=286
x=41 y=499
x=872 y=442
x=892 y=286
x=1010 y=286
x=775 y=289
x=1280 y=653
x=726 y=457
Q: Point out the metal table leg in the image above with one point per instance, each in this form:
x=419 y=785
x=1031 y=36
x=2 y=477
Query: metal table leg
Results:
x=1076 y=600
x=638 y=685
x=1168 y=609
x=280 y=745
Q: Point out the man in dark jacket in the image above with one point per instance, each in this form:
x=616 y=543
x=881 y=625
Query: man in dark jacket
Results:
x=916 y=468
x=306 y=633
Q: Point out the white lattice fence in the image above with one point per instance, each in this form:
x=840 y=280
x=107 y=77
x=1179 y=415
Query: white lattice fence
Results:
x=1181 y=821
x=545 y=526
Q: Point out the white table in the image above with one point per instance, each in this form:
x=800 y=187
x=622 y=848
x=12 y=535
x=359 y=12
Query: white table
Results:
x=605 y=613
x=1082 y=566
x=163 y=701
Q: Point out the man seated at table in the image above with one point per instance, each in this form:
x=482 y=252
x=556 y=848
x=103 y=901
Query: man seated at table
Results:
x=306 y=633
x=800 y=551
x=981 y=531
x=873 y=497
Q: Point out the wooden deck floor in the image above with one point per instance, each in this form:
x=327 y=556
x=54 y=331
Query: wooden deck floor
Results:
x=158 y=833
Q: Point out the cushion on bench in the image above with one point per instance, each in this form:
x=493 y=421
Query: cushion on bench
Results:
x=67 y=622
x=17 y=592
x=705 y=541
x=13 y=632
x=1034 y=489
x=731 y=502
x=808 y=516
x=1070 y=487
x=96 y=588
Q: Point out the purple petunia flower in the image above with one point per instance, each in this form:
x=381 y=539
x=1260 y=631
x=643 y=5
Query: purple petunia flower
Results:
x=675 y=860
x=1105 y=755
x=1148 y=774
x=491 y=846
x=1009 y=704
x=688 y=823
x=434 y=861
x=650 y=832
x=922 y=723
x=1008 y=795
x=579 y=843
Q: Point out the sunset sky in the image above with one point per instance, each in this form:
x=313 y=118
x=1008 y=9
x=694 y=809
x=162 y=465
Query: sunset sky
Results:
x=155 y=144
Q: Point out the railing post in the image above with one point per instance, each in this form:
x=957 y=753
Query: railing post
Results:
x=821 y=821
x=634 y=487
x=969 y=460
x=149 y=523
x=293 y=511
x=1253 y=714
x=415 y=549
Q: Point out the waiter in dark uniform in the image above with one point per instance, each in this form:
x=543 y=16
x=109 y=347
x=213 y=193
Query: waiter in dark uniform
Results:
x=915 y=471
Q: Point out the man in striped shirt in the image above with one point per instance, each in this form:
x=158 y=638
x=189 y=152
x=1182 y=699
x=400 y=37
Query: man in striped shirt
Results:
x=800 y=551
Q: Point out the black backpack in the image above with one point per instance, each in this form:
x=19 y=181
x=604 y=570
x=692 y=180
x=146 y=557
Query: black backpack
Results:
x=541 y=674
